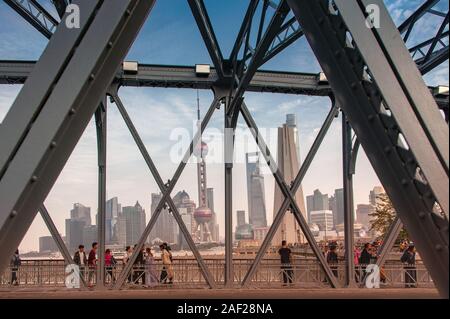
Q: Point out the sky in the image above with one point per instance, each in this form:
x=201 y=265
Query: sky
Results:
x=170 y=36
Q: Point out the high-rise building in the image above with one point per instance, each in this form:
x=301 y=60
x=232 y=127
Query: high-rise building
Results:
x=135 y=223
x=323 y=219
x=166 y=228
x=362 y=214
x=240 y=217
x=213 y=226
x=90 y=235
x=81 y=212
x=120 y=231
x=187 y=220
x=74 y=233
x=47 y=244
x=337 y=206
x=317 y=201
x=373 y=195
x=113 y=210
x=255 y=191
x=288 y=164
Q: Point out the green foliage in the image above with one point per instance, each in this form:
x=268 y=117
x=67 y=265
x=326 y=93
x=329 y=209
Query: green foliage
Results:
x=384 y=216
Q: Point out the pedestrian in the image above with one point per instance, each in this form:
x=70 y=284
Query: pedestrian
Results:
x=110 y=263
x=332 y=259
x=139 y=264
x=409 y=260
x=92 y=264
x=126 y=258
x=15 y=263
x=286 y=263
x=80 y=259
x=151 y=277
x=356 y=256
x=167 y=271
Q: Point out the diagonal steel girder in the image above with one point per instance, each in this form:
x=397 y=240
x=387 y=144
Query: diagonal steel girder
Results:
x=65 y=88
x=407 y=26
x=361 y=100
x=58 y=240
x=289 y=200
x=204 y=24
x=165 y=190
x=260 y=51
x=36 y=15
x=61 y=6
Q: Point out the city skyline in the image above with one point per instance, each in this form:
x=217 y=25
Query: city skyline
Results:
x=128 y=177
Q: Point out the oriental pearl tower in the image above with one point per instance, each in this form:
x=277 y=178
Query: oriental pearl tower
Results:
x=202 y=214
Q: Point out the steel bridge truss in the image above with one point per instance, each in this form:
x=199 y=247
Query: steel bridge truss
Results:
x=372 y=77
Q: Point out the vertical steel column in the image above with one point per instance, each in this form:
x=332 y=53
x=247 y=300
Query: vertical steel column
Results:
x=100 y=122
x=348 y=202
x=230 y=126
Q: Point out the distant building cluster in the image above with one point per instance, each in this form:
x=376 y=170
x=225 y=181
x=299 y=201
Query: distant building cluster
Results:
x=326 y=213
x=125 y=225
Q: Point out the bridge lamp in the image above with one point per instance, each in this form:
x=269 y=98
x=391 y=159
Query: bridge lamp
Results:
x=130 y=67
x=202 y=70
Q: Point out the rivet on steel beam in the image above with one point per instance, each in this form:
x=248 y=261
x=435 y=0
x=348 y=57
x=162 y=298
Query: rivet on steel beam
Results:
x=371 y=117
x=354 y=85
x=337 y=53
x=72 y=111
x=91 y=77
x=128 y=12
x=405 y=182
x=422 y=215
x=34 y=178
x=438 y=247
x=110 y=44
x=53 y=144
x=13 y=214
x=387 y=149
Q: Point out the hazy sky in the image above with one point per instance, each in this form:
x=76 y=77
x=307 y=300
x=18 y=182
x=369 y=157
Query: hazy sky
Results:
x=170 y=36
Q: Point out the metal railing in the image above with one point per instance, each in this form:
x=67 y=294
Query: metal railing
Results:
x=303 y=273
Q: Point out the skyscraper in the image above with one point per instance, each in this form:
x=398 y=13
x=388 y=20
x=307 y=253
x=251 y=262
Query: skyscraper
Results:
x=240 y=217
x=81 y=212
x=373 y=195
x=166 y=227
x=255 y=192
x=74 y=233
x=47 y=244
x=317 y=201
x=213 y=226
x=113 y=210
x=337 y=206
x=135 y=223
x=362 y=214
x=288 y=164
x=90 y=235
x=323 y=219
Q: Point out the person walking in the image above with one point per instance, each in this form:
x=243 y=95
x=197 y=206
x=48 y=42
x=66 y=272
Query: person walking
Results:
x=332 y=259
x=92 y=264
x=110 y=264
x=167 y=271
x=15 y=263
x=126 y=258
x=356 y=256
x=286 y=263
x=409 y=260
x=139 y=264
x=80 y=259
x=151 y=277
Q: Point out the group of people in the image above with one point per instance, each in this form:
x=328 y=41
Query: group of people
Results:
x=144 y=266
x=362 y=258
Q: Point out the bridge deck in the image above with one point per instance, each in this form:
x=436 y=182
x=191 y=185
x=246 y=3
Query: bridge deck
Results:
x=288 y=293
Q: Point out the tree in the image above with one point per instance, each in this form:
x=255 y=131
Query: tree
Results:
x=383 y=217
